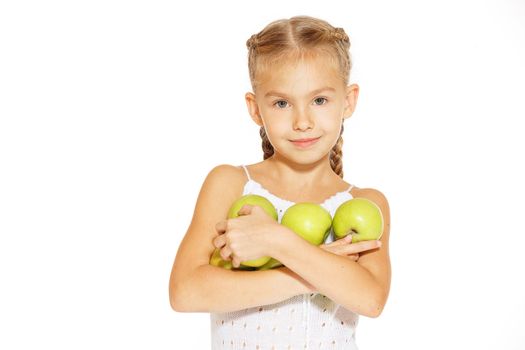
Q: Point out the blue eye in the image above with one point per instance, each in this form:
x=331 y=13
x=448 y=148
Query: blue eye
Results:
x=281 y=104
x=319 y=101
x=322 y=99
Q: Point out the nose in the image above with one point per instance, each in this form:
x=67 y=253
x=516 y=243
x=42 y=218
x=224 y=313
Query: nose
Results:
x=302 y=121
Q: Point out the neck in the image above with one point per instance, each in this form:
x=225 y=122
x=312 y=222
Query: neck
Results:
x=302 y=175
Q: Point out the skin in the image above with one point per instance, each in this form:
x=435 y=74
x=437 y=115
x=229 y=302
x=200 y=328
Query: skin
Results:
x=290 y=104
x=288 y=107
x=286 y=104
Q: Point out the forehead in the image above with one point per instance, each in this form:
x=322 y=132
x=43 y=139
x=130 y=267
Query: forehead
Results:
x=299 y=75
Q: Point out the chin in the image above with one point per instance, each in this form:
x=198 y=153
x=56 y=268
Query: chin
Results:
x=306 y=157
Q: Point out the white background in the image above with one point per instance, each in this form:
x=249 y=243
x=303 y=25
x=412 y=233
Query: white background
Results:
x=113 y=112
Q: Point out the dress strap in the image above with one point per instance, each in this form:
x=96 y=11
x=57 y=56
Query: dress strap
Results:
x=246 y=171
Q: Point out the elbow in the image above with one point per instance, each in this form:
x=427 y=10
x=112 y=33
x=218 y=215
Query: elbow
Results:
x=177 y=300
x=175 y=305
x=374 y=311
x=184 y=297
x=176 y=297
x=375 y=306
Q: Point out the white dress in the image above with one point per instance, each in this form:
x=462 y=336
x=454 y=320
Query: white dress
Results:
x=307 y=321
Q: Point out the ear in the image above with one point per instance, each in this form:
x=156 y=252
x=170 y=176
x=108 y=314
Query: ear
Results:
x=352 y=92
x=253 y=108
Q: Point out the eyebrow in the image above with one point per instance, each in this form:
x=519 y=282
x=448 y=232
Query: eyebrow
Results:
x=315 y=92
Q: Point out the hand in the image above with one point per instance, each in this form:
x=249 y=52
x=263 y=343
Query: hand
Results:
x=345 y=247
x=246 y=237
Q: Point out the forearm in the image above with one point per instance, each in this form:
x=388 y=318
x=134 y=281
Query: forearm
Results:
x=337 y=277
x=213 y=289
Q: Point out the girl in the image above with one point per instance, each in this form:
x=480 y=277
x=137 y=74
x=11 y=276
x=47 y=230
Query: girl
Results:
x=299 y=71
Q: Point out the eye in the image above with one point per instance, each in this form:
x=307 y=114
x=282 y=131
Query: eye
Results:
x=280 y=104
x=320 y=101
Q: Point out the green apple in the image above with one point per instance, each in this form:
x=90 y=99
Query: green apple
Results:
x=359 y=216
x=267 y=206
x=252 y=199
x=216 y=260
x=272 y=263
x=309 y=220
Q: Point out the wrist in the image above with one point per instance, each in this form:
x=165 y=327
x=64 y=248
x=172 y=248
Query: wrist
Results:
x=300 y=286
x=282 y=239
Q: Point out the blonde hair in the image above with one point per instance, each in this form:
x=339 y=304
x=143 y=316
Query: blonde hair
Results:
x=296 y=38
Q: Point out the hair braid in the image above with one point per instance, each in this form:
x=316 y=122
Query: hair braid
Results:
x=336 y=155
x=266 y=145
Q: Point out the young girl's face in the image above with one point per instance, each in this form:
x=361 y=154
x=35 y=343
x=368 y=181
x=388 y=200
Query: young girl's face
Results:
x=304 y=100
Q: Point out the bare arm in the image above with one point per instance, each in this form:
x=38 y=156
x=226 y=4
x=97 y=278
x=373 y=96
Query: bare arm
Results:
x=196 y=286
x=337 y=277
x=361 y=286
x=214 y=289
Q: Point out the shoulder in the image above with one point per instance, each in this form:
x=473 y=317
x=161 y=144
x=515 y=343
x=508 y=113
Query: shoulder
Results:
x=227 y=170
x=370 y=193
x=227 y=178
x=223 y=185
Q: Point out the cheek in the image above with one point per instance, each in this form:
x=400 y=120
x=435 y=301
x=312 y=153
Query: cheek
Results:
x=330 y=123
x=273 y=131
x=332 y=113
x=275 y=123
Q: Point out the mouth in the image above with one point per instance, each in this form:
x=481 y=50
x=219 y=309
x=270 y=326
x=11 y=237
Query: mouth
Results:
x=302 y=143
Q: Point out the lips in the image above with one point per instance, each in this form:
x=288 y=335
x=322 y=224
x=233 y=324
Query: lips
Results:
x=302 y=143
x=305 y=140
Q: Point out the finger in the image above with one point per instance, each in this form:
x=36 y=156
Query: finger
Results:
x=219 y=241
x=245 y=210
x=338 y=244
x=335 y=248
x=345 y=240
x=235 y=262
x=225 y=253
x=353 y=257
x=362 y=246
x=221 y=226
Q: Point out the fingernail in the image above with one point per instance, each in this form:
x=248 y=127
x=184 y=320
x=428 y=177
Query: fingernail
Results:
x=379 y=244
x=348 y=238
